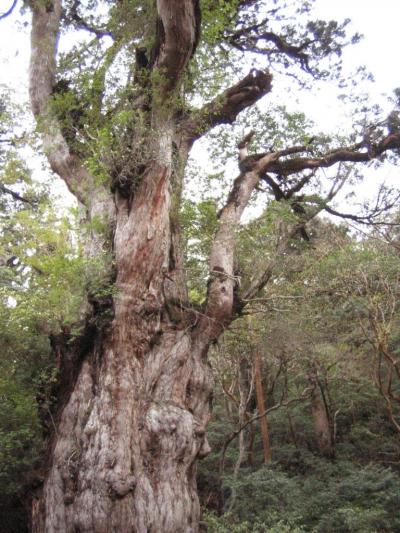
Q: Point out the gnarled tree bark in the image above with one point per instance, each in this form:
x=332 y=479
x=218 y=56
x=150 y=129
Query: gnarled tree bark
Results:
x=133 y=419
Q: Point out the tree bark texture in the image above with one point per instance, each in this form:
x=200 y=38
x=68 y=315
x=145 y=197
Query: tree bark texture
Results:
x=132 y=423
x=129 y=436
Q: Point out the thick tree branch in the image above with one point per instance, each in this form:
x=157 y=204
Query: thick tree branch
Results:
x=44 y=40
x=256 y=167
x=220 y=298
x=247 y=39
x=346 y=154
x=225 y=107
x=220 y=305
x=177 y=35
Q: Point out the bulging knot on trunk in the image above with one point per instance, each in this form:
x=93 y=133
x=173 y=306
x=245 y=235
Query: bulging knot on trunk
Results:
x=69 y=472
x=172 y=434
x=120 y=485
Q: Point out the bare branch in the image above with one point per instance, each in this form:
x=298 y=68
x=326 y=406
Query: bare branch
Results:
x=82 y=24
x=247 y=40
x=362 y=219
x=15 y=195
x=259 y=281
x=244 y=145
x=304 y=396
x=225 y=107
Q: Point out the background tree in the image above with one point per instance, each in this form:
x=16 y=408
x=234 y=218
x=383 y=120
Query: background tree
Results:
x=309 y=317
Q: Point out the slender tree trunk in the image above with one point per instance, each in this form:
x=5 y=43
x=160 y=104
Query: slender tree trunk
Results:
x=322 y=427
x=245 y=392
x=250 y=445
x=291 y=428
x=261 y=407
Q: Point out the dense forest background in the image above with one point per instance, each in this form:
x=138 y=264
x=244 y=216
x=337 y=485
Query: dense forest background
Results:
x=306 y=406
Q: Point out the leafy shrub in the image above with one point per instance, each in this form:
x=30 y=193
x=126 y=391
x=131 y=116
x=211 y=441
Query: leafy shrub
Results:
x=338 y=497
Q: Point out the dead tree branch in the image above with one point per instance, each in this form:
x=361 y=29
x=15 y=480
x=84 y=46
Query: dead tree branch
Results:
x=225 y=107
x=16 y=196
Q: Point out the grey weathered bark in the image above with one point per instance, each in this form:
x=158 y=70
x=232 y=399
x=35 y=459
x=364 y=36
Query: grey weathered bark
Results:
x=135 y=389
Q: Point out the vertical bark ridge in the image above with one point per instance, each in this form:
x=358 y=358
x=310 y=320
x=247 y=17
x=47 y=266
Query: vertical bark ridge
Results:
x=322 y=427
x=177 y=38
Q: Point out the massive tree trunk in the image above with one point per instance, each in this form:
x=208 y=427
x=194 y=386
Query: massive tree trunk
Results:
x=137 y=387
x=129 y=435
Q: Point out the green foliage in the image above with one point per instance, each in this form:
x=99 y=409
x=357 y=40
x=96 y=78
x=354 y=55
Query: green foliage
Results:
x=20 y=436
x=48 y=281
x=120 y=151
x=331 y=497
x=227 y=524
x=217 y=17
x=317 y=311
x=199 y=223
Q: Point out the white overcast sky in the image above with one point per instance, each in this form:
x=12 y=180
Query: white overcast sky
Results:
x=377 y=21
